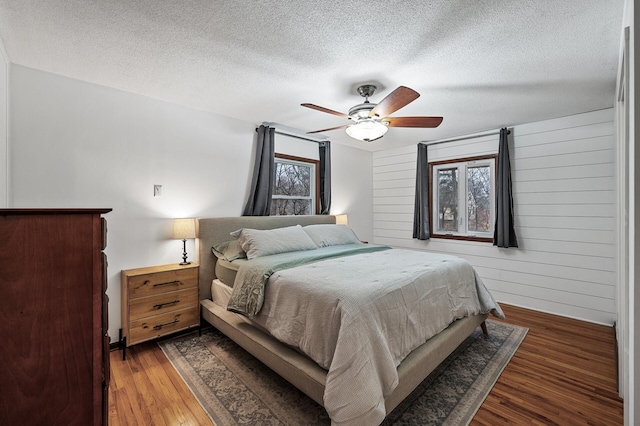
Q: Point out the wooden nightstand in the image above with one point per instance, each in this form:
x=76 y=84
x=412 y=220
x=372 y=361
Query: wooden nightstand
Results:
x=157 y=301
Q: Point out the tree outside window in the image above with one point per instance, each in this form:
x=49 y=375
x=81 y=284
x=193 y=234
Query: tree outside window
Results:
x=479 y=199
x=295 y=189
x=447 y=199
x=462 y=198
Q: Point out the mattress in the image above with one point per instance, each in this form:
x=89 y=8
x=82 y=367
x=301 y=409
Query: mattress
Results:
x=226 y=271
x=220 y=293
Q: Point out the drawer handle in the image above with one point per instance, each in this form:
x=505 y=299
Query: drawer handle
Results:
x=159 y=326
x=161 y=284
x=162 y=305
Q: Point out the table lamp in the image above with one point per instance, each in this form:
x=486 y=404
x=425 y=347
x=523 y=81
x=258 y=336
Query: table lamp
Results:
x=183 y=229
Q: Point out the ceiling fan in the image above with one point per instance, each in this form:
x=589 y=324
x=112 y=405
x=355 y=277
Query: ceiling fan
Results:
x=371 y=121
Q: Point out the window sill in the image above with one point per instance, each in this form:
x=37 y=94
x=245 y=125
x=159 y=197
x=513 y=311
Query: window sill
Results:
x=463 y=238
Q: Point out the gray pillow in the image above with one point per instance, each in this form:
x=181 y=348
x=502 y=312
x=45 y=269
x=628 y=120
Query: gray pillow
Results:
x=229 y=250
x=263 y=242
x=331 y=235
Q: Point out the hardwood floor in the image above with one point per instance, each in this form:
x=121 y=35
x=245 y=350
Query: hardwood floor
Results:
x=563 y=373
x=145 y=389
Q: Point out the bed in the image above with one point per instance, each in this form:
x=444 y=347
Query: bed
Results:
x=287 y=359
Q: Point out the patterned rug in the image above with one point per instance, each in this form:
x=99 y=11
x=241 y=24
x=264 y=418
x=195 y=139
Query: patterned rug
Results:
x=234 y=388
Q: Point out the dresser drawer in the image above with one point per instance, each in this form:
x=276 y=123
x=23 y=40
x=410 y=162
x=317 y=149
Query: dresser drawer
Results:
x=159 y=325
x=161 y=303
x=162 y=282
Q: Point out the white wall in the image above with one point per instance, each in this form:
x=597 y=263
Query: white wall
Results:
x=77 y=144
x=564 y=191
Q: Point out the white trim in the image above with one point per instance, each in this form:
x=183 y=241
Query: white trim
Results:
x=622 y=222
x=4 y=137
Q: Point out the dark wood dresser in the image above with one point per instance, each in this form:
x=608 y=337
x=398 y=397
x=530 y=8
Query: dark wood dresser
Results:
x=54 y=346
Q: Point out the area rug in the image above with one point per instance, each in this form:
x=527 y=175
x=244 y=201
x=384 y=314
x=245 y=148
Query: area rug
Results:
x=234 y=388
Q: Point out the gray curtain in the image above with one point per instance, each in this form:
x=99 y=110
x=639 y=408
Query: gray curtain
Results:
x=325 y=177
x=259 y=202
x=421 y=210
x=504 y=234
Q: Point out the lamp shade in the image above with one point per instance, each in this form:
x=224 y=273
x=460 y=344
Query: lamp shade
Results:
x=184 y=229
x=367 y=130
x=342 y=219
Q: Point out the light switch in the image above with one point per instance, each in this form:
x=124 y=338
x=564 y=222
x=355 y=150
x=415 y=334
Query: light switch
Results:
x=157 y=190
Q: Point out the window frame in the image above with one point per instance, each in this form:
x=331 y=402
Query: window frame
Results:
x=315 y=165
x=464 y=164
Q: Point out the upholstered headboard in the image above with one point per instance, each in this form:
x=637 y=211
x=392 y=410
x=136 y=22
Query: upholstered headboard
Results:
x=214 y=230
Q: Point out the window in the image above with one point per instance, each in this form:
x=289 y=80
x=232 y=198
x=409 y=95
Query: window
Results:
x=462 y=197
x=296 y=186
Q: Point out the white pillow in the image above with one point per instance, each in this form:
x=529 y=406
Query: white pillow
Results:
x=263 y=242
x=331 y=235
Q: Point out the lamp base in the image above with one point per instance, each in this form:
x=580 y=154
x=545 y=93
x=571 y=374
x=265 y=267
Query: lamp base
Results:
x=184 y=253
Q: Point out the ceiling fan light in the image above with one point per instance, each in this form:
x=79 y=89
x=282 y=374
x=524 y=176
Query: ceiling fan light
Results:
x=367 y=130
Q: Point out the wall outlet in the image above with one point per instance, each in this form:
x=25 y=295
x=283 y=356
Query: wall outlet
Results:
x=157 y=190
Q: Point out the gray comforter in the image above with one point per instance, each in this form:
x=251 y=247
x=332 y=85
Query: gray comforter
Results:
x=359 y=316
x=249 y=285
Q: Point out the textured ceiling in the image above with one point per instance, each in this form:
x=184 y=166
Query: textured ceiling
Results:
x=481 y=64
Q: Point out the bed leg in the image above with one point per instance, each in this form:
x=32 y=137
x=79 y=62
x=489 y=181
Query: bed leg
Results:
x=484 y=328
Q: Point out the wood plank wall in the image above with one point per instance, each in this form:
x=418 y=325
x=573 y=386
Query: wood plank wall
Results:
x=564 y=201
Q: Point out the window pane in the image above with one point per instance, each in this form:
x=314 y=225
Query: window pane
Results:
x=448 y=199
x=292 y=180
x=478 y=199
x=282 y=207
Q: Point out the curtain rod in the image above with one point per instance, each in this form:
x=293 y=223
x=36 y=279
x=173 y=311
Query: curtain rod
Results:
x=463 y=138
x=294 y=133
x=298 y=137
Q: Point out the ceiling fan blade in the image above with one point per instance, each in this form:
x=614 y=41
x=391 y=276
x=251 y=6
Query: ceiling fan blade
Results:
x=395 y=100
x=327 y=110
x=413 y=121
x=331 y=128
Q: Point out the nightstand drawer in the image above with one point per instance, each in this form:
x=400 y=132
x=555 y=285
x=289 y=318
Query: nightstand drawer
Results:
x=162 y=282
x=159 y=304
x=159 y=325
